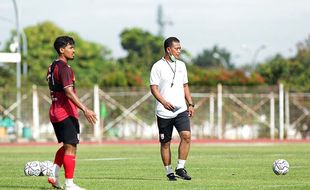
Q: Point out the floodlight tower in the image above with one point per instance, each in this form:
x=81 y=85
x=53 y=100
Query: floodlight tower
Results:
x=162 y=23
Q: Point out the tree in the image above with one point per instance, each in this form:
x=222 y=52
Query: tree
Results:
x=88 y=64
x=143 y=48
x=214 y=58
x=7 y=74
x=293 y=72
x=211 y=77
x=274 y=70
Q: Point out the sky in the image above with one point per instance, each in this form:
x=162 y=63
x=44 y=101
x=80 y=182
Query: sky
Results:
x=252 y=30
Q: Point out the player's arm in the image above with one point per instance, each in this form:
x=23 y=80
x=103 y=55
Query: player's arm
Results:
x=89 y=114
x=189 y=100
x=159 y=98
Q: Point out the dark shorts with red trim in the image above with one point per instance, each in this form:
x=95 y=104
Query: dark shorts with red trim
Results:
x=67 y=130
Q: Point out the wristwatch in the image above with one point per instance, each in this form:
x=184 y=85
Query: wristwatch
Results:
x=193 y=105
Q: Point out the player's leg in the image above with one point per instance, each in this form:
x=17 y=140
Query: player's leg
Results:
x=53 y=179
x=69 y=163
x=165 y=129
x=182 y=124
x=71 y=139
x=59 y=157
x=58 y=162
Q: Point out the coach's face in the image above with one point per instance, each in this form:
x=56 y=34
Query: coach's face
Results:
x=175 y=49
x=68 y=51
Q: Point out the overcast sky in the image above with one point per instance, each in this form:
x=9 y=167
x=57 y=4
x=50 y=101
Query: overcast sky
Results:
x=240 y=26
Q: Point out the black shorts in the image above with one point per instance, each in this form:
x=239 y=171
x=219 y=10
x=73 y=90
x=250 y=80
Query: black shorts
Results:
x=67 y=131
x=165 y=126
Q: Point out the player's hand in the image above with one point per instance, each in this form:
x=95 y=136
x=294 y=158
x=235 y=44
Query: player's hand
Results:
x=191 y=111
x=168 y=106
x=90 y=116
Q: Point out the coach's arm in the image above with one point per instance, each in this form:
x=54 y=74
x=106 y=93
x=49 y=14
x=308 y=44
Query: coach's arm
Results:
x=189 y=100
x=159 y=98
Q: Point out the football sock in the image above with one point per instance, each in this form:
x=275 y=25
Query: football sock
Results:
x=58 y=161
x=69 y=165
x=68 y=182
x=55 y=170
x=181 y=163
x=168 y=169
x=59 y=157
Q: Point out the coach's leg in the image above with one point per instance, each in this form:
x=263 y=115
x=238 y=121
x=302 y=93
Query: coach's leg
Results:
x=184 y=145
x=182 y=124
x=183 y=153
x=165 y=152
x=165 y=129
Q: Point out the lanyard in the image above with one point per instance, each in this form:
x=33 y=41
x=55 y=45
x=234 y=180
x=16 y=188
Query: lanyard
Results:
x=174 y=71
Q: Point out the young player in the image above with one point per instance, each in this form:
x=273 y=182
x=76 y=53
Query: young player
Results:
x=63 y=112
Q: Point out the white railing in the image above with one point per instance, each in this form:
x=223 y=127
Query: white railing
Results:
x=130 y=114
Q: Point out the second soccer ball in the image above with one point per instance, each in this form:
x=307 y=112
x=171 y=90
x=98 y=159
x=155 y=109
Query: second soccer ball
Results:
x=280 y=167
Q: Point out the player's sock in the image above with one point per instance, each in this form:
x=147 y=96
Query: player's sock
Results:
x=181 y=164
x=55 y=170
x=59 y=157
x=58 y=161
x=69 y=182
x=168 y=169
x=69 y=165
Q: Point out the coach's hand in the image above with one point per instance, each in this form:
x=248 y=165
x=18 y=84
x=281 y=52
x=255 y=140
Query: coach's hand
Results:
x=190 y=111
x=90 y=116
x=168 y=105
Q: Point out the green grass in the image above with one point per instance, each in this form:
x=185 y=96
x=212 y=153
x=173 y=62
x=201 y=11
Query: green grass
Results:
x=220 y=167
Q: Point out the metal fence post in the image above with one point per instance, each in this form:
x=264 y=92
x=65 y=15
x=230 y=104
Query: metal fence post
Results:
x=281 y=112
x=97 y=130
x=35 y=114
x=287 y=111
x=212 y=129
x=272 y=115
x=219 y=111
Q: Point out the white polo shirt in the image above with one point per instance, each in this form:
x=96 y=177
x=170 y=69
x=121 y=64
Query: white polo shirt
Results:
x=162 y=76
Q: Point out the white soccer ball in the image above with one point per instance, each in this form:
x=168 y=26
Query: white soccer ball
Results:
x=46 y=167
x=32 y=168
x=280 y=167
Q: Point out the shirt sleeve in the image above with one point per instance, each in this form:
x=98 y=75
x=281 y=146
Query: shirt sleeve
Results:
x=66 y=77
x=155 y=75
x=185 y=78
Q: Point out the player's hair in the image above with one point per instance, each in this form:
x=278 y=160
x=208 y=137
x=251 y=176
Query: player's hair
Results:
x=168 y=42
x=62 y=42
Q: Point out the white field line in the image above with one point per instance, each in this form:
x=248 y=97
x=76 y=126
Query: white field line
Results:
x=103 y=159
x=284 y=185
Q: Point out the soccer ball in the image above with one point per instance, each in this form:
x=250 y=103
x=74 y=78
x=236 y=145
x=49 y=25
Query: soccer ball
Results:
x=46 y=168
x=32 y=168
x=280 y=167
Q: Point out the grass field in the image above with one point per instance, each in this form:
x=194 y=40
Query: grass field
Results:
x=223 y=166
